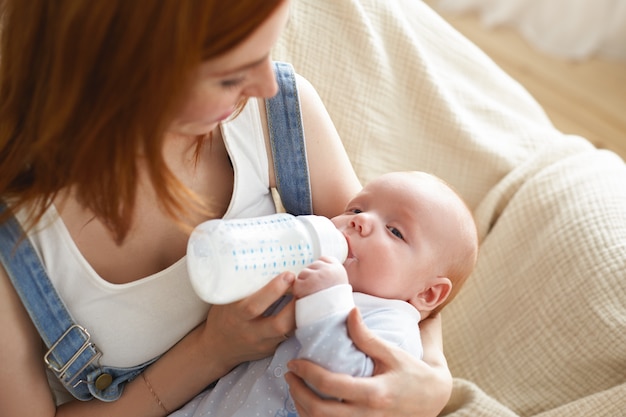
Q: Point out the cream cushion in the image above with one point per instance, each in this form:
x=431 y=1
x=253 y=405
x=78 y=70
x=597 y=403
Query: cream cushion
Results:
x=540 y=327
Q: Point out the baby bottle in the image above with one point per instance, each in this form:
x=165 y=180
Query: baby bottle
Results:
x=231 y=259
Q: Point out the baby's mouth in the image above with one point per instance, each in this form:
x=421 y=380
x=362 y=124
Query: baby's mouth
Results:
x=350 y=253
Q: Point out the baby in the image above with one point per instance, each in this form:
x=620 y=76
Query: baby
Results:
x=412 y=244
x=410 y=238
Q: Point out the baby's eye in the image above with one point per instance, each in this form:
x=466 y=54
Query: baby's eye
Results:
x=396 y=232
x=356 y=211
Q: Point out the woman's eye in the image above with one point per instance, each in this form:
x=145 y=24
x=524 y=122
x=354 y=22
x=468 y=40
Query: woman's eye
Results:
x=396 y=232
x=231 y=83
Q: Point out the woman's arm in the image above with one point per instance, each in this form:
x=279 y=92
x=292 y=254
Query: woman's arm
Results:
x=401 y=385
x=25 y=391
x=333 y=180
x=230 y=335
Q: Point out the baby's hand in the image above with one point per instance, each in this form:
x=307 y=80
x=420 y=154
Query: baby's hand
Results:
x=324 y=273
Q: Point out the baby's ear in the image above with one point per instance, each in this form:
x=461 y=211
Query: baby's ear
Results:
x=433 y=295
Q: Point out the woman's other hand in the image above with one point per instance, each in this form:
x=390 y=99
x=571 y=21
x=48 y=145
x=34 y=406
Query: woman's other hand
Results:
x=401 y=385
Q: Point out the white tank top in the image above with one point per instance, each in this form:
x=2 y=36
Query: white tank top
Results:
x=135 y=322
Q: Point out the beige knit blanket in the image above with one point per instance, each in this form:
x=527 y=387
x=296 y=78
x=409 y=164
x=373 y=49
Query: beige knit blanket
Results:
x=540 y=328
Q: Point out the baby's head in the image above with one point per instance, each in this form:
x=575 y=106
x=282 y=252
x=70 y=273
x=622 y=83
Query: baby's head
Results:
x=410 y=237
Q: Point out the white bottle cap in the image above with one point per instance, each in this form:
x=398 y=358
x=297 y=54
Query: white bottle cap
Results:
x=332 y=241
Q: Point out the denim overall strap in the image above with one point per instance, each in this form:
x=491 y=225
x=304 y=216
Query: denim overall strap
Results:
x=71 y=355
x=288 y=143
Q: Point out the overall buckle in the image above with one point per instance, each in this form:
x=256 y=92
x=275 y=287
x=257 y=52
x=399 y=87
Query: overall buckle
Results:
x=61 y=370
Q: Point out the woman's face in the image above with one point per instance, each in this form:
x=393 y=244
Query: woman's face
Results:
x=221 y=83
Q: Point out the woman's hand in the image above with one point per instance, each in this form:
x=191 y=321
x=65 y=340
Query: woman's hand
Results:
x=401 y=385
x=241 y=330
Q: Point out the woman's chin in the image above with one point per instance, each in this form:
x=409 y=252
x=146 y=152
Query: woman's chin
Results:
x=196 y=129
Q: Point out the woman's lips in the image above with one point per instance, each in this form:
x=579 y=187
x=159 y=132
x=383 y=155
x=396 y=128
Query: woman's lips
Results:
x=226 y=115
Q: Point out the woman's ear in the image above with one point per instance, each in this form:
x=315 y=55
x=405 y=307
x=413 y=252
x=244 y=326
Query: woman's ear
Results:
x=433 y=295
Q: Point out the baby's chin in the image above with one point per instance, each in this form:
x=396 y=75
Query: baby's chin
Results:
x=350 y=265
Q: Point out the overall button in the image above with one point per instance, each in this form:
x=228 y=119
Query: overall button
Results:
x=278 y=372
x=103 y=382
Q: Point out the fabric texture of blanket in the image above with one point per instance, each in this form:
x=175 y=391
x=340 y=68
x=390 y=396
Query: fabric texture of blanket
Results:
x=540 y=327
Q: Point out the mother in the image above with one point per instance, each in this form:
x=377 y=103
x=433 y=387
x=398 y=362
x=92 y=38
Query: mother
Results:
x=123 y=124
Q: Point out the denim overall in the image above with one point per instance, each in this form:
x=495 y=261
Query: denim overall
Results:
x=71 y=355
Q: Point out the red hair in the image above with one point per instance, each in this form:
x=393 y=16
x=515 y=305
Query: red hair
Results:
x=88 y=86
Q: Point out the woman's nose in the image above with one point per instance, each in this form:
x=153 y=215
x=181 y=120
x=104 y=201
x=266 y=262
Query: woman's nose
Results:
x=263 y=83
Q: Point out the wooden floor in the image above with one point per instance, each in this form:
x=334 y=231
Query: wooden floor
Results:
x=586 y=98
